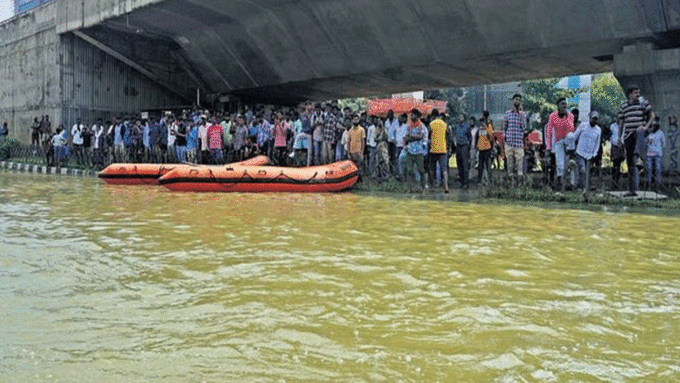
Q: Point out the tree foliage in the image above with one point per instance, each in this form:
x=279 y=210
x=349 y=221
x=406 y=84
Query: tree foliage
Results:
x=606 y=97
x=356 y=105
x=540 y=96
x=458 y=100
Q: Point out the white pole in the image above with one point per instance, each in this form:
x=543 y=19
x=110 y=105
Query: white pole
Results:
x=485 y=107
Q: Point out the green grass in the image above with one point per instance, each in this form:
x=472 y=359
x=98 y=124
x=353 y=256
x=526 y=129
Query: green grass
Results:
x=389 y=186
x=528 y=195
x=573 y=197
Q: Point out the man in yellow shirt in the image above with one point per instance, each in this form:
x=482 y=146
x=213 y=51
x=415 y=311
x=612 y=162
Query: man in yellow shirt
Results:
x=485 y=143
x=438 y=148
x=356 y=139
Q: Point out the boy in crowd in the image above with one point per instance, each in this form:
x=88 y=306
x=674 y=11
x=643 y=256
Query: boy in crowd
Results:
x=655 y=144
x=485 y=143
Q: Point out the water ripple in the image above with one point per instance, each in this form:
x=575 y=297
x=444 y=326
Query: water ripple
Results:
x=105 y=283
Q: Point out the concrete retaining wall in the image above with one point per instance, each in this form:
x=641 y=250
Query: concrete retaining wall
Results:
x=29 y=73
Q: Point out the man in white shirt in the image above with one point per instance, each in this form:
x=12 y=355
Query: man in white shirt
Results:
x=117 y=132
x=226 y=123
x=391 y=126
x=617 y=154
x=77 y=140
x=98 y=143
x=203 y=138
x=402 y=130
x=146 y=140
x=172 y=128
x=587 y=138
x=371 y=144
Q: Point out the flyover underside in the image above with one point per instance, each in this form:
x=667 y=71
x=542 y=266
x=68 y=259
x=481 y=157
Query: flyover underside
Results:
x=292 y=50
x=483 y=70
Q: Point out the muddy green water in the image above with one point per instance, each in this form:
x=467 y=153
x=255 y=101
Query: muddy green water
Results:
x=138 y=284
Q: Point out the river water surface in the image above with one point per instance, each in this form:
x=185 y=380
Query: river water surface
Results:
x=137 y=284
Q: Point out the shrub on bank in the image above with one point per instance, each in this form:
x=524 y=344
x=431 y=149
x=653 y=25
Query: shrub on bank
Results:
x=7 y=145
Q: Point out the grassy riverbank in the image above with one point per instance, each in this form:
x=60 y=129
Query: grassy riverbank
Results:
x=500 y=193
x=529 y=196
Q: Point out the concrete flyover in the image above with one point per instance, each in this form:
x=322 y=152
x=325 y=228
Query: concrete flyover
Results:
x=286 y=51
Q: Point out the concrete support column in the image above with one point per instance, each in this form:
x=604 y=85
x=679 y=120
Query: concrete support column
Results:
x=657 y=73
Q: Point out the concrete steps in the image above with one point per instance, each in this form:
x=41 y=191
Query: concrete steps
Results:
x=42 y=169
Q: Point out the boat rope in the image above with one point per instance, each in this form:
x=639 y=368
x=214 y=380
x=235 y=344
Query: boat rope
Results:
x=230 y=184
x=295 y=179
x=160 y=171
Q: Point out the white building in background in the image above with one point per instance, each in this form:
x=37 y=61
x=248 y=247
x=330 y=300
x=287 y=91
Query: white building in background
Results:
x=6 y=10
x=581 y=100
x=21 y=6
x=413 y=95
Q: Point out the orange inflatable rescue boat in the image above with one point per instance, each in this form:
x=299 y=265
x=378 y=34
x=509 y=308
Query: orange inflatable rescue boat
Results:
x=148 y=174
x=237 y=178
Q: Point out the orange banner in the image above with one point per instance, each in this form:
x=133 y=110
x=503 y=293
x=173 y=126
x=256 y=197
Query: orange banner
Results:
x=404 y=105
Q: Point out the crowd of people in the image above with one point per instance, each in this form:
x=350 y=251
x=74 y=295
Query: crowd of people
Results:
x=411 y=147
x=633 y=136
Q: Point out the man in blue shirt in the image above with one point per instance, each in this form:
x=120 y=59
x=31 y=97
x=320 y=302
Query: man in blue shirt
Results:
x=264 y=133
x=306 y=119
x=463 y=135
x=415 y=149
x=192 y=142
x=154 y=138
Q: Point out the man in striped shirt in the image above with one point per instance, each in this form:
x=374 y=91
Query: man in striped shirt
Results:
x=635 y=117
x=514 y=125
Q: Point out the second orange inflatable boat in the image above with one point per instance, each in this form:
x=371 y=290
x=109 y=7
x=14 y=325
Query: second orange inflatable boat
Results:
x=237 y=178
x=148 y=174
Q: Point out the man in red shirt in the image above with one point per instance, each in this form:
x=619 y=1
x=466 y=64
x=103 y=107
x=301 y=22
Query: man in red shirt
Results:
x=560 y=123
x=215 y=141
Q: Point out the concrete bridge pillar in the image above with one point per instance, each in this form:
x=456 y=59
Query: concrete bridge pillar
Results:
x=657 y=73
